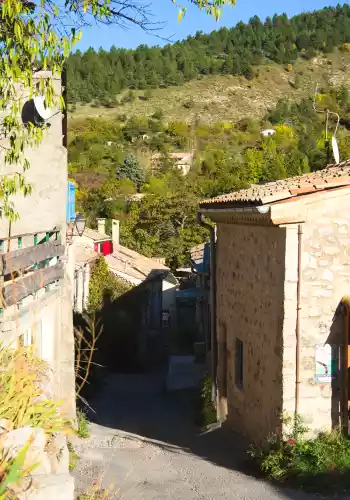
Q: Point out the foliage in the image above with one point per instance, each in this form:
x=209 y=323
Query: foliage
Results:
x=83 y=425
x=37 y=37
x=162 y=222
x=23 y=401
x=13 y=472
x=313 y=462
x=207 y=412
x=131 y=169
x=73 y=456
x=103 y=284
x=225 y=51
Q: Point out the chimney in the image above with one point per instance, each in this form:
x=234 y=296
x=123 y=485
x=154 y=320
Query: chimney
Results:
x=115 y=234
x=101 y=226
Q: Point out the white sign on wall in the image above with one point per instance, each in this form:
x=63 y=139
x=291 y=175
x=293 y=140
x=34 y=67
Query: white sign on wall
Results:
x=326 y=367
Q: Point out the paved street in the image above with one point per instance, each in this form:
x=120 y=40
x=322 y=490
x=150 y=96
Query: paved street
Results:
x=145 y=446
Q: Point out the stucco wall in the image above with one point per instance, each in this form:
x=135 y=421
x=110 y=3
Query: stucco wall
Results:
x=250 y=296
x=45 y=208
x=49 y=313
x=325 y=280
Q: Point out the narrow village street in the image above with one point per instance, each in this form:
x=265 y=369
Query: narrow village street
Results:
x=144 y=445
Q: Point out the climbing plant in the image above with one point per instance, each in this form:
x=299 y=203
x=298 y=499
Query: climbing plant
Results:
x=104 y=284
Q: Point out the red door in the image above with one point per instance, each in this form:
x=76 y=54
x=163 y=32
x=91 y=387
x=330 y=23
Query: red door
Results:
x=106 y=248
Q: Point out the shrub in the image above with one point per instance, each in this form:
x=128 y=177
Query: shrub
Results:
x=83 y=425
x=13 y=472
x=158 y=114
x=207 y=411
x=189 y=104
x=311 y=462
x=73 y=456
x=23 y=401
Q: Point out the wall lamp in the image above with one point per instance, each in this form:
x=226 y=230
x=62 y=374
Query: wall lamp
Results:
x=77 y=227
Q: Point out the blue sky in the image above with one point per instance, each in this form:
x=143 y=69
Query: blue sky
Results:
x=165 y=10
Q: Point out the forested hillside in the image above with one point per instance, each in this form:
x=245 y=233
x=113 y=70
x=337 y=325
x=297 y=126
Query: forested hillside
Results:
x=101 y=76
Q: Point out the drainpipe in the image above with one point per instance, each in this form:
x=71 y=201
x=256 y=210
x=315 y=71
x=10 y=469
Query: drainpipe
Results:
x=345 y=363
x=297 y=327
x=213 y=336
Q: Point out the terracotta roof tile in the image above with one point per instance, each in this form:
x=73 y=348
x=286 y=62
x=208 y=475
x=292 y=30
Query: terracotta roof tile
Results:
x=259 y=194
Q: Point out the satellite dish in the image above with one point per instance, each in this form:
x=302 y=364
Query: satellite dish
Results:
x=268 y=131
x=335 y=150
x=44 y=112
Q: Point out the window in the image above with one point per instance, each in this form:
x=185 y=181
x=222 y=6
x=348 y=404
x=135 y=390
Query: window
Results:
x=26 y=338
x=239 y=364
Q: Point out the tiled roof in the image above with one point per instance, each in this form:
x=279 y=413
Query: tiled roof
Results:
x=95 y=235
x=260 y=194
x=84 y=254
x=133 y=264
x=197 y=253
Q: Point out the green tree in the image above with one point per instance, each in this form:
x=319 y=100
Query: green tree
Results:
x=132 y=170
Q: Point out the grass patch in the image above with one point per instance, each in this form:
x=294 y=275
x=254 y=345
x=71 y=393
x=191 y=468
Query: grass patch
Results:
x=206 y=413
x=320 y=463
x=83 y=425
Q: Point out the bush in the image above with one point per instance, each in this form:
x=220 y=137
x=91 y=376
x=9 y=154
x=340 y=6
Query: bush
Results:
x=83 y=425
x=23 y=402
x=189 y=104
x=207 y=412
x=310 y=462
x=158 y=114
x=73 y=456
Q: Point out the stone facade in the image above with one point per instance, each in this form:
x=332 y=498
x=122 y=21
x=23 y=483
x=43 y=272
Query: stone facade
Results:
x=325 y=279
x=257 y=283
x=250 y=283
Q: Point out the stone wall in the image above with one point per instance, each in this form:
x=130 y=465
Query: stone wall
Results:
x=50 y=478
x=250 y=299
x=325 y=280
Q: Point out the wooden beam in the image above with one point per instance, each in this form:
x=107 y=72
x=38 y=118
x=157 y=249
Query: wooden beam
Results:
x=17 y=290
x=26 y=257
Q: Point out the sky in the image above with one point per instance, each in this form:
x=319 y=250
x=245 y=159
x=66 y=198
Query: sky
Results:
x=194 y=20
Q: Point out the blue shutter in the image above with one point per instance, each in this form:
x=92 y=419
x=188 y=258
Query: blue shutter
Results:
x=71 y=202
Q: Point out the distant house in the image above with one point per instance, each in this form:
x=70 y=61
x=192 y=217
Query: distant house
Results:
x=193 y=302
x=183 y=161
x=98 y=240
x=282 y=270
x=85 y=258
x=148 y=274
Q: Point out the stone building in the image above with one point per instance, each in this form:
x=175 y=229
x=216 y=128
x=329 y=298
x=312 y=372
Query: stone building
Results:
x=36 y=282
x=282 y=270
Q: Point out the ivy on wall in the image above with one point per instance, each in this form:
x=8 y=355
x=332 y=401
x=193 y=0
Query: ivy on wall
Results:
x=104 y=285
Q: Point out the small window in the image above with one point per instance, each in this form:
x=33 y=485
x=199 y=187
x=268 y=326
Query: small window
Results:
x=26 y=339
x=239 y=364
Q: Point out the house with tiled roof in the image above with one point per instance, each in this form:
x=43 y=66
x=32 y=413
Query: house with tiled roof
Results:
x=281 y=271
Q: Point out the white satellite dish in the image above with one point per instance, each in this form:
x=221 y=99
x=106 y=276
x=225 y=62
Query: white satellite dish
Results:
x=268 y=131
x=44 y=112
x=335 y=150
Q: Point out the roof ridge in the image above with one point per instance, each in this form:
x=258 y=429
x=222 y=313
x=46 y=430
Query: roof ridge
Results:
x=333 y=175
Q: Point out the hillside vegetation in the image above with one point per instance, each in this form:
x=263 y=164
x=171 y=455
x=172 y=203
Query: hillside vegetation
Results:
x=230 y=98
x=101 y=76
x=122 y=138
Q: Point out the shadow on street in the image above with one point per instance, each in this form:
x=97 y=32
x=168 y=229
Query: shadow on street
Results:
x=139 y=406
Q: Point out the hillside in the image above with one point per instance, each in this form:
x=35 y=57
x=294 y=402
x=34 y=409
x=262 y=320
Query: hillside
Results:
x=231 y=98
x=99 y=77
